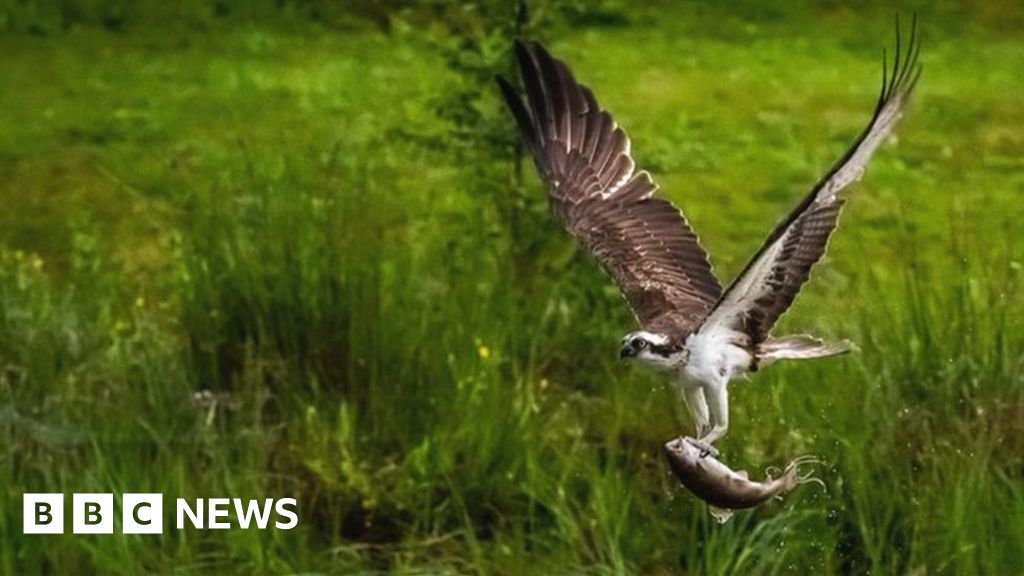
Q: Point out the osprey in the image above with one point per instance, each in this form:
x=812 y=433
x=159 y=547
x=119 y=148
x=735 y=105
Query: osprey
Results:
x=689 y=325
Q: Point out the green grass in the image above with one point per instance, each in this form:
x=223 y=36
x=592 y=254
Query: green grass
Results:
x=265 y=259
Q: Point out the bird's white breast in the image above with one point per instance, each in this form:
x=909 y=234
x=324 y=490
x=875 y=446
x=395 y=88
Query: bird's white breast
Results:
x=713 y=357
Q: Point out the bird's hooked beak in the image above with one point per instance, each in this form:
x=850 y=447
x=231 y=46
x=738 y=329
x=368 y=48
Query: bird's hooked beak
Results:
x=627 y=351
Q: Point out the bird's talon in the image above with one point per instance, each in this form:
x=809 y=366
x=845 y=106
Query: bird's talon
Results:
x=705 y=448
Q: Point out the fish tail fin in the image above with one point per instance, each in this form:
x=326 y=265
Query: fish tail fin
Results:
x=796 y=474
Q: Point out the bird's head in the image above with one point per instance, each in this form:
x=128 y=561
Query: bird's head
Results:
x=652 y=349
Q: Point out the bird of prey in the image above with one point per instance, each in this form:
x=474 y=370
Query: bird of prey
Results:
x=690 y=327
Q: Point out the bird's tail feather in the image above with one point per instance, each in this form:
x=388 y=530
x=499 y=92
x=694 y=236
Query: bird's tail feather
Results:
x=799 y=347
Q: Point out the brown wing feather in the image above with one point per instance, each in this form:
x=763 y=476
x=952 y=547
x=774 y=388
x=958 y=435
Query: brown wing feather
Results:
x=771 y=280
x=802 y=247
x=643 y=242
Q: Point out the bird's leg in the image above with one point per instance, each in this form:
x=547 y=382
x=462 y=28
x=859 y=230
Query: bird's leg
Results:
x=717 y=397
x=697 y=406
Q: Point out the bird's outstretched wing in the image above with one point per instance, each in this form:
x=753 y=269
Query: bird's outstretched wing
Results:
x=771 y=280
x=642 y=241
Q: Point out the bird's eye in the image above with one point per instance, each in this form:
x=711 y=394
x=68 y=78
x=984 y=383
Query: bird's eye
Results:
x=640 y=343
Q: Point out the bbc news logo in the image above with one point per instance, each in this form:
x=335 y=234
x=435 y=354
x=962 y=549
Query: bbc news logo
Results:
x=144 y=513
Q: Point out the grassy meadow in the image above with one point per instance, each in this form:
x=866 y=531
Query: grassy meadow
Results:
x=292 y=249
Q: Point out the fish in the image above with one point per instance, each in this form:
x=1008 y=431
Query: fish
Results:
x=726 y=490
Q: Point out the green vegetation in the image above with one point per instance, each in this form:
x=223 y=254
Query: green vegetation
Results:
x=293 y=253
